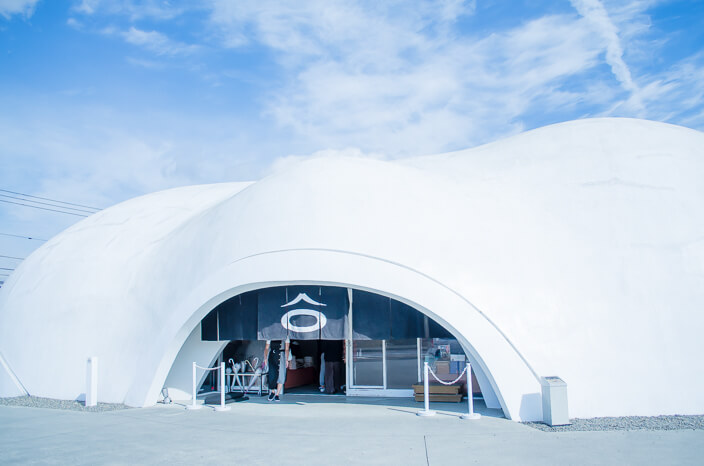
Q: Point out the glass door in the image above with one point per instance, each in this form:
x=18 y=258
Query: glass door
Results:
x=368 y=364
x=401 y=364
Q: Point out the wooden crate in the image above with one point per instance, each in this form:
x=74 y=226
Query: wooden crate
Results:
x=440 y=397
x=437 y=389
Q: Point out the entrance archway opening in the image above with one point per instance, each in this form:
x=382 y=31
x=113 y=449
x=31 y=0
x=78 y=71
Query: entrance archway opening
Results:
x=384 y=342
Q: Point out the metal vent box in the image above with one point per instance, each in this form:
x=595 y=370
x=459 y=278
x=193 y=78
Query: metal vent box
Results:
x=554 y=401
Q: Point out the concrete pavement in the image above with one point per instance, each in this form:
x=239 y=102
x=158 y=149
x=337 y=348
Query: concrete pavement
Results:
x=313 y=429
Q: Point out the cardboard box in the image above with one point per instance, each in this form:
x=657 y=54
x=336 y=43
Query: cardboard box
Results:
x=442 y=367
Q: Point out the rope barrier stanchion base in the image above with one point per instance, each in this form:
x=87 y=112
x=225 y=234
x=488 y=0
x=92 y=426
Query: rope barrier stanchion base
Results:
x=426 y=412
x=470 y=401
x=222 y=408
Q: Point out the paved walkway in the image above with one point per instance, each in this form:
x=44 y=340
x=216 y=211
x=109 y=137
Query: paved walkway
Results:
x=309 y=429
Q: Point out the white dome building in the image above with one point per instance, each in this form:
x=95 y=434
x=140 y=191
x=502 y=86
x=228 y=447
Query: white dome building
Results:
x=575 y=250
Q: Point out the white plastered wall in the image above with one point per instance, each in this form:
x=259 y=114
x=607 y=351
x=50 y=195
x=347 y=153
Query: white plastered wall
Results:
x=582 y=242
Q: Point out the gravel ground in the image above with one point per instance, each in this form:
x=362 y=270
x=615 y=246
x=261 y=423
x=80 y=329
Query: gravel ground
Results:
x=626 y=423
x=38 y=402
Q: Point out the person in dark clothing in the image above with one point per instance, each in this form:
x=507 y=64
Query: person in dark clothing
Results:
x=334 y=354
x=276 y=354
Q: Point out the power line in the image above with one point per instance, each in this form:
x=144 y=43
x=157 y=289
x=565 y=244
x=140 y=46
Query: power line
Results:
x=5 y=268
x=44 y=208
x=48 y=199
x=23 y=237
x=12 y=257
x=49 y=204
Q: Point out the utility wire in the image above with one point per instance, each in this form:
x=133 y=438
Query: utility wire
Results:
x=5 y=268
x=12 y=257
x=44 y=208
x=49 y=204
x=23 y=237
x=48 y=199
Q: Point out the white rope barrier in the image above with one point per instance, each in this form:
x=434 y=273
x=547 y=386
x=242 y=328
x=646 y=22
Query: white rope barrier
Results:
x=448 y=383
x=221 y=368
x=207 y=368
x=426 y=389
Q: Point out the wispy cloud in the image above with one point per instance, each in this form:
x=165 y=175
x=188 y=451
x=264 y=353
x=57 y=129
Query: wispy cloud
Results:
x=24 y=8
x=157 y=42
x=134 y=10
x=148 y=64
x=386 y=77
x=74 y=23
x=681 y=84
x=87 y=7
x=596 y=14
x=404 y=80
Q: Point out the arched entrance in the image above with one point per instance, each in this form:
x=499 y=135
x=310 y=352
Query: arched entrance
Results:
x=386 y=342
x=501 y=371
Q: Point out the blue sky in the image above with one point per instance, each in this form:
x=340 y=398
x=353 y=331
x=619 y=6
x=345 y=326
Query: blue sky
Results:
x=103 y=100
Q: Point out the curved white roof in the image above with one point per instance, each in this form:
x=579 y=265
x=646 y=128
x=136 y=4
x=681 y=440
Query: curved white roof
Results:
x=574 y=250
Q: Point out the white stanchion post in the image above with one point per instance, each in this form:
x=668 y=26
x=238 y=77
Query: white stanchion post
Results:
x=222 y=406
x=92 y=381
x=426 y=392
x=193 y=405
x=470 y=399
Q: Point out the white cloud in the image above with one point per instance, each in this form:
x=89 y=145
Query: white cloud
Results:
x=401 y=80
x=17 y=7
x=320 y=27
x=135 y=10
x=676 y=94
x=87 y=7
x=157 y=42
x=148 y=64
x=596 y=14
x=75 y=24
x=387 y=77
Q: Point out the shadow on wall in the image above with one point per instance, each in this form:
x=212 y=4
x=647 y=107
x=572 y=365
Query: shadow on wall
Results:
x=531 y=407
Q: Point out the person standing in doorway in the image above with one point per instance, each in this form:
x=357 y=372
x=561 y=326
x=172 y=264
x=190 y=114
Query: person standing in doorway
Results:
x=321 y=377
x=334 y=353
x=276 y=354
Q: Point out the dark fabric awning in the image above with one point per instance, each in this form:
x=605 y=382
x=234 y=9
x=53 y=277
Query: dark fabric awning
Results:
x=237 y=317
x=209 y=326
x=315 y=312
x=302 y=313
